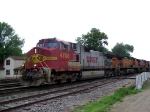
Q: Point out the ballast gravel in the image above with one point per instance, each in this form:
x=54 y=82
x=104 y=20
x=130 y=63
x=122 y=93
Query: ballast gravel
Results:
x=69 y=103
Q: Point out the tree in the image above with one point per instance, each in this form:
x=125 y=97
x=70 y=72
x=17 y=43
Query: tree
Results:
x=10 y=43
x=94 y=39
x=123 y=50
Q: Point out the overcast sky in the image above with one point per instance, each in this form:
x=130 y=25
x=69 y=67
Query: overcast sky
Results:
x=126 y=21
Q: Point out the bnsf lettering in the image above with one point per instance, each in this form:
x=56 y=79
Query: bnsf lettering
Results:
x=92 y=59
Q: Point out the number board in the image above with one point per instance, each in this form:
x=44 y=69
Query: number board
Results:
x=64 y=55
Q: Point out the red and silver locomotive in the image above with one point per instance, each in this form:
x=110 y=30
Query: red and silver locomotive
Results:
x=54 y=60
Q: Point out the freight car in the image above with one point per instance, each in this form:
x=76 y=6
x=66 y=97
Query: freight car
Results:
x=56 y=61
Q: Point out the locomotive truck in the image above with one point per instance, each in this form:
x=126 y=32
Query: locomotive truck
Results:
x=56 y=61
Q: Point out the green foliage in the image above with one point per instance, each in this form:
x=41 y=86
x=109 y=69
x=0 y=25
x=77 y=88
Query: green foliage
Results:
x=122 y=50
x=146 y=85
x=10 y=43
x=94 y=39
x=104 y=104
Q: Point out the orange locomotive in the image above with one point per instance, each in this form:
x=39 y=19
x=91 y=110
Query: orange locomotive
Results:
x=54 y=60
x=131 y=65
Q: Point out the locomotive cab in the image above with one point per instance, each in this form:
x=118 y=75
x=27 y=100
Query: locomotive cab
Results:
x=49 y=58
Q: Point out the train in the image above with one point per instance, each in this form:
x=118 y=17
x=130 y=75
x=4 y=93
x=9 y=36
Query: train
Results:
x=57 y=61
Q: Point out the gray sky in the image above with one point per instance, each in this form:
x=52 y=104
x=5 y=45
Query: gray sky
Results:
x=126 y=21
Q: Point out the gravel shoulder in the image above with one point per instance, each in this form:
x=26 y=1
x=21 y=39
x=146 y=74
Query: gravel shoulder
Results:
x=135 y=103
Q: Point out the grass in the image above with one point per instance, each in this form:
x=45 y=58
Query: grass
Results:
x=104 y=104
x=146 y=85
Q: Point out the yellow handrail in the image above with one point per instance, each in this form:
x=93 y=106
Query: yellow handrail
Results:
x=40 y=62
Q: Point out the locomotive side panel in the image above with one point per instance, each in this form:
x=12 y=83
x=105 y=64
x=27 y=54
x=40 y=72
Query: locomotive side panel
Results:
x=115 y=62
x=92 y=60
x=101 y=60
x=92 y=74
x=135 y=63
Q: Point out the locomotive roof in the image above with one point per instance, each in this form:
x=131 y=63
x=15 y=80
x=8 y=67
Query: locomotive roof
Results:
x=65 y=42
x=111 y=55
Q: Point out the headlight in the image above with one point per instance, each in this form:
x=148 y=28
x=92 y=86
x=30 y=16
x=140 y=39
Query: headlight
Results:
x=35 y=50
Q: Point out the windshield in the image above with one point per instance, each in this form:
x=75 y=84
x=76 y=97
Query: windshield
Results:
x=39 y=45
x=51 y=44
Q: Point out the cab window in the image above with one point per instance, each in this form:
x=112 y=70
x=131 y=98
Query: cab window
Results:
x=40 y=45
x=64 y=46
x=51 y=44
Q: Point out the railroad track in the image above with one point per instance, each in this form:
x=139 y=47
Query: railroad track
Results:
x=129 y=76
x=8 y=80
x=14 y=90
x=51 y=95
x=9 y=90
x=4 y=85
x=4 y=91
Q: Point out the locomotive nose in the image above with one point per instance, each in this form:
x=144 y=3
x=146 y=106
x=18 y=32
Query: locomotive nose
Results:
x=36 y=58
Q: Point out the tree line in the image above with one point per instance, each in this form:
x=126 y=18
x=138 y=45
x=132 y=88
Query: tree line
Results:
x=97 y=40
x=11 y=44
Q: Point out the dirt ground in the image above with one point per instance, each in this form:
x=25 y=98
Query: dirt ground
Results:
x=135 y=103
